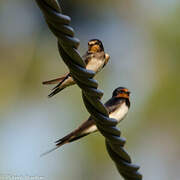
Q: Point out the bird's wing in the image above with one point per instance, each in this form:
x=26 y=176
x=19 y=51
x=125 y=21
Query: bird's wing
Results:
x=111 y=104
x=83 y=130
x=107 y=57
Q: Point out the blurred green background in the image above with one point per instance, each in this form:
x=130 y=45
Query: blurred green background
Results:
x=143 y=40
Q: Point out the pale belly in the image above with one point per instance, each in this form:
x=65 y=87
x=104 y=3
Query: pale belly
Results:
x=120 y=113
x=95 y=65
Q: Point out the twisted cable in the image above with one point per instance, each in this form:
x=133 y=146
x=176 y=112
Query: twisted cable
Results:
x=58 y=23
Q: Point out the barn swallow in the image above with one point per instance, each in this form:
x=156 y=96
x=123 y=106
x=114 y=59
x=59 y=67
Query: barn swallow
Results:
x=117 y=107
x=95 y=59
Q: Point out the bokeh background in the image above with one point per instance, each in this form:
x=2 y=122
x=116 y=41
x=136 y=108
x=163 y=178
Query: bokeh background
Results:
x=143 y=40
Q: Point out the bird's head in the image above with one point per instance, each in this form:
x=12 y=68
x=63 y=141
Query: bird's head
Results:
x=95 y=45
x=121 y=92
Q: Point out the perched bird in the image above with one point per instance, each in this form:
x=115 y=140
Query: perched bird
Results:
x=95 y=59
x=117 y=107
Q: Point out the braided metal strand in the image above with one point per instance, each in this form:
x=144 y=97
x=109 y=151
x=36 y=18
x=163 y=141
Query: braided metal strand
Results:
x=67 y=45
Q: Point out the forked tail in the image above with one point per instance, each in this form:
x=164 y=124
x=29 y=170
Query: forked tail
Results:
x=55 y=91
x=59 y=87
x=66 y=139
x=53 y=81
